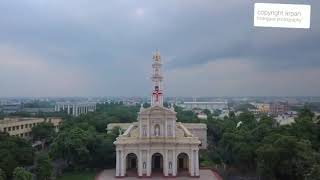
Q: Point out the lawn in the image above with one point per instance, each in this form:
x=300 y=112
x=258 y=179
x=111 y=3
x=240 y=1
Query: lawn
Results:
x=89 y=175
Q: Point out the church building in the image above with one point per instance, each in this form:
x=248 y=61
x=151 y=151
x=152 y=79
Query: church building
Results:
x=157 y=143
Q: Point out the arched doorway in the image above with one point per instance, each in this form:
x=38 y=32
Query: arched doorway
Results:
x=157 y=164
x=183 y=164
x=132 y=164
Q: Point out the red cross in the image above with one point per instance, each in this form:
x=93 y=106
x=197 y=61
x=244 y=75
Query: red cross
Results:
x=157 y=93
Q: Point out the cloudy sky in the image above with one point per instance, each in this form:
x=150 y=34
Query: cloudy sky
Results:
x=104 y=48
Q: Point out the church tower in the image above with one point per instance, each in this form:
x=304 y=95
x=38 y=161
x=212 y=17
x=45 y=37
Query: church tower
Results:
x=157 y=93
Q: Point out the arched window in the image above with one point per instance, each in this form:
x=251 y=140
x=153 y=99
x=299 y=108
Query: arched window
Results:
x=157 y=130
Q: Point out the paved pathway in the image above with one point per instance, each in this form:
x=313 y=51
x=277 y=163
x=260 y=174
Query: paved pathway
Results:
x=205 y=174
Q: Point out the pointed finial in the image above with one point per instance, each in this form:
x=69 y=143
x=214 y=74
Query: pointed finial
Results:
x=156 y=56
x=172 y=107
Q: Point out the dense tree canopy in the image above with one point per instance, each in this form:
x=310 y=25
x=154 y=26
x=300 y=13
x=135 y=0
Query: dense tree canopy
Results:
x=44 y=168
x=83 y=141
x=185 y=115
x=3 y=175
x=265 y=148
x=20 y=173
x=244 y=144
x=14 y=151
x=43 y=131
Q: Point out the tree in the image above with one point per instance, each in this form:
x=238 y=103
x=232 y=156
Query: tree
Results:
x=3 y=175
x=207 y=112
x=20 y=173
x=43 y=131
x=295 y=157
x=14 y=151
x=185 y=116
x=102 y=150
x=44 y=168
x=71 y=145
x=306 y=112
x=217 y=112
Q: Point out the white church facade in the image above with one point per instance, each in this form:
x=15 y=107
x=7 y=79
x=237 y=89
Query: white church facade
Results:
x=157 y=143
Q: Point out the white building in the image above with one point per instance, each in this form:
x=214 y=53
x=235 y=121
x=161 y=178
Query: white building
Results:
x=75 y=109
x=202 y=116
x=205 y=105
x=284 y=119
x=157 y=143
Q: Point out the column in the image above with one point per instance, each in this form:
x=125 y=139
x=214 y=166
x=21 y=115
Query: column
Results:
x=141 y=130
x=174 y=163
x=68 y=110
x=166 y=129
x=148 y=164
x=123 y=165
x=197 y=163
x=191 y=162
x=77 y=110
x=73 y=110
x=140 y=163
x=118 y=164
x=166 y=167
x=173 y=128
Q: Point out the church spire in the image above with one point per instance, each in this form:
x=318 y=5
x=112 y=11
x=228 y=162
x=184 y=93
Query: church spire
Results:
x=157 y=93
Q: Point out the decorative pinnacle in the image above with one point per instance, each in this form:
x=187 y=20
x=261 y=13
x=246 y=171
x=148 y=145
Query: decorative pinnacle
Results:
x=157 y=56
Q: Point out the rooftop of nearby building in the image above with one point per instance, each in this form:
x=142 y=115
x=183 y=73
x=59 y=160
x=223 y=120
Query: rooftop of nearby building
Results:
x=19 y=119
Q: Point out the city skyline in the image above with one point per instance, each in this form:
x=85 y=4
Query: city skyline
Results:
x=209 y=48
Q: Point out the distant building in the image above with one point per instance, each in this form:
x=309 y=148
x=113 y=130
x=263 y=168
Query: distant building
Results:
x=38 y=110
x=11 y=108
x=205 y=105
x=262 y=107
x=284 y=119
x=278 y=108
x=75 y=109
x=202 y=116
x=21 y=126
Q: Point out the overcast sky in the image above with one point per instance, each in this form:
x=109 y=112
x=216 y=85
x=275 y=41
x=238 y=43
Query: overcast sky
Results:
x=104 y=48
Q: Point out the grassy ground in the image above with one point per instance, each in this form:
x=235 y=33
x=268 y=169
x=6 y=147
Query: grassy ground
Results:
x=78 y=176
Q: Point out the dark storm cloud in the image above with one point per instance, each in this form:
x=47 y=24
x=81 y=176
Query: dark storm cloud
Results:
x=105 y=46
x=269 y=47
